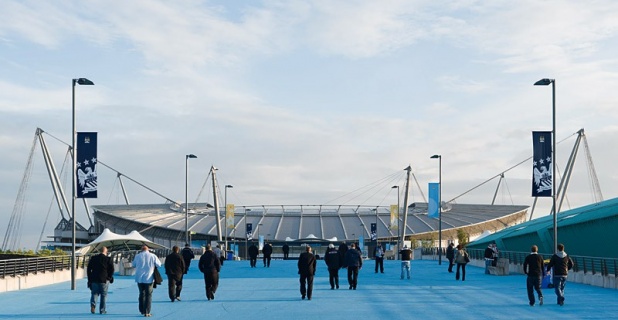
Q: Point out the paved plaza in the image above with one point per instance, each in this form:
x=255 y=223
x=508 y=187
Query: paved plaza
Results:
x=273 y=293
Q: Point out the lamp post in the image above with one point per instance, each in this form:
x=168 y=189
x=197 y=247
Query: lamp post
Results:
x=546 y=82
x=83 y=82
x=258 y=234
x=246 y=237
x=187 y=157
x=226 y=232
x=362 y=225
x=439 y=157
x=398 y=223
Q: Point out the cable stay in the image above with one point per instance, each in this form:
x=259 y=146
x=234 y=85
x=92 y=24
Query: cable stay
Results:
x=12 y=237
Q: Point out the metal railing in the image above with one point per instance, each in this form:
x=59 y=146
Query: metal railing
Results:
x=26 y=266
x=593 y=265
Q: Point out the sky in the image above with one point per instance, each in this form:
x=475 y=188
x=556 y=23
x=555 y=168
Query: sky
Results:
x=305 y=102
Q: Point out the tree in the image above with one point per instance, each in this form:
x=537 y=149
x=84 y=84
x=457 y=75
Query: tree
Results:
x=463 y=237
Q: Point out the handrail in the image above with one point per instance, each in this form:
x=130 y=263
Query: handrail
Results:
x=26 y=266
x=593 y=265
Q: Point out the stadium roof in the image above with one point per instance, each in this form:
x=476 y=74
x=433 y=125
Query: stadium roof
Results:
x=290 y=222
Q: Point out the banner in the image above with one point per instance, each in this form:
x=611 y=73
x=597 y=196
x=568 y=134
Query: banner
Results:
x=433 y=207
x=249 y=228
x=374 y=232
x=86 y=165
x=229 y=216
x=394 y=217
x=542 y=176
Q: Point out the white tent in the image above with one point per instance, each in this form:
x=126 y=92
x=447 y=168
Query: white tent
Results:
x=118 y=242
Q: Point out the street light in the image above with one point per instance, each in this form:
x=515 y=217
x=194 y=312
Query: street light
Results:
x=226 y=232
x=439 y=157
x=398 y=223
x=362 y=225
x=546 y=82
x=187 y=157
x=246 y=234
x=83 y=82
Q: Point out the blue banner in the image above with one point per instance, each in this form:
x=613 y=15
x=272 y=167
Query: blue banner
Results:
x=542 y=177
x=249 y=231
x=433 y=207
x=374 y=232
x=86 y=161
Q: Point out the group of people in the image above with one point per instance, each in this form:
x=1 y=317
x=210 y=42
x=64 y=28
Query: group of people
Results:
x=267 y=252
x=100 y=271
x=335 y=259
x=459 y=256
x=534 y=268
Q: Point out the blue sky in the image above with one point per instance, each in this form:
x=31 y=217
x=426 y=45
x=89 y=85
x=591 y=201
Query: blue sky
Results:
x=304 y=102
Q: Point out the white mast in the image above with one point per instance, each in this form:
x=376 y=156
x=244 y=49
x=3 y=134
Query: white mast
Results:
x=216 y=197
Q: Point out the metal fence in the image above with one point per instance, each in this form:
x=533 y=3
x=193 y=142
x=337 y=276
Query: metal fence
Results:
x=26 y=266
x=593 y=265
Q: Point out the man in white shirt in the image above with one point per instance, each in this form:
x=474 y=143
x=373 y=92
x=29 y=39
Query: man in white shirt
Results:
x=144 y=264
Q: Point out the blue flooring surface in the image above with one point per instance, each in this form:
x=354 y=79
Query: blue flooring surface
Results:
x=273 y=293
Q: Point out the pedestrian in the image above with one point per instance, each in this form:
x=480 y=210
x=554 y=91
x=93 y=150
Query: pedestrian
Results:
x=461 y=258
x=144 y=264
x=378 y=253
x=495 y=254
x=286 y=251
x=174 y=269
x=187 y=256
x=100 y=272
x=306 y=270
x=450 y=255
x=561 y=263
x=533 y=267
x=333 y=262
x=343 y=248
x=219 y=253
x=489 y=257
x=406 y=256
x=210 y=266
x=253 y=253
x=267 y=251
x=354 y=262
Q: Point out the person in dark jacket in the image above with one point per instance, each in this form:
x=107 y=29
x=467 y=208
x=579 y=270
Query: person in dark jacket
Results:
x=175 y=270
x=286 y=251
x=306 y=270
x=533 y=267
x=378 y=253
x=343 y=248
x=333 y=262
x=561 y=263
x=406 y=256
x=489 y=257
x=267 y=251
x=210 y=265
x=253 y=253
x=354 y=262
x=187 y=256
x=450 y=255
x=100 y=270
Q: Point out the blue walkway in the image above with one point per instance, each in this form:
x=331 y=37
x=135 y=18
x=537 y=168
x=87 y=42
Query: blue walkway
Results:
x=273 y=293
